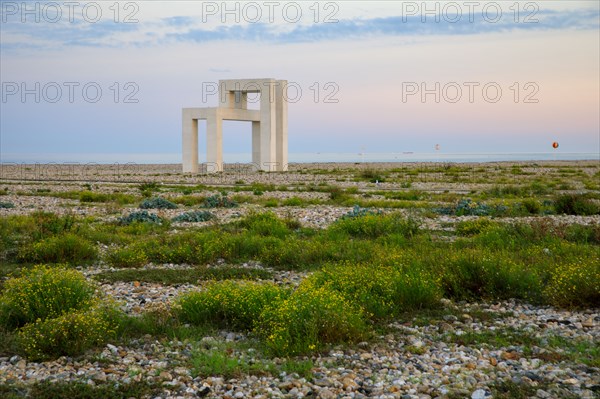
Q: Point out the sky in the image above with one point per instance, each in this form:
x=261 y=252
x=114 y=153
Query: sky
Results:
x=81 y=80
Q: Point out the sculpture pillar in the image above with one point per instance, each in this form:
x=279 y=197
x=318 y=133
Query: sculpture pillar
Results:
x=269 y=125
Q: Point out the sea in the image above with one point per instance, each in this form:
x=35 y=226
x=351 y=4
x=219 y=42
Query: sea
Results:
x=317 y=157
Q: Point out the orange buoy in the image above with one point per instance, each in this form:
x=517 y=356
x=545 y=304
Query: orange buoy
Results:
x=555 y=145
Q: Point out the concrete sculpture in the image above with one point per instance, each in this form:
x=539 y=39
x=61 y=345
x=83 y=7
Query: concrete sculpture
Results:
x=269 y=125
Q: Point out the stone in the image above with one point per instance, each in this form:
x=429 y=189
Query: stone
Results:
x=14 y=359
x=326 y=394
x=349 y=384
x=479 y=394
x=510 y=355
x=202 y=392
x=323 y=382
x=165 y=375
x=540 y=393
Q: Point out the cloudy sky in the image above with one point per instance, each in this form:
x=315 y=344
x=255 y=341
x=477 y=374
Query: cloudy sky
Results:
x=86 y=79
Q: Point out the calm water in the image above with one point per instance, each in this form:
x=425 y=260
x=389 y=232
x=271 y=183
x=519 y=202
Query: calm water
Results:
x=302 y=157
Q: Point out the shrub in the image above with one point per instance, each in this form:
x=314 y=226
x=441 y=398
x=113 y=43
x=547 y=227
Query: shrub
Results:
x=575 y=204
x=157 y=203
x=47 y=224
x=191 y=247
x=294 y=201
x=531 y=206
x=373 y=226
x=357 y=211
x=189 y=200
x=42 y=293
x=546 y=230
x=381 y=291
x=194 y=217
x=476 y=275
x=219 y=201
x=140 y=217
x=185 y=276
x=265 y=224
x=583 y=234
x=575 y=284
x=69 y=334
x=271 y=203
x=89 y=196
x=309 y=319
x=228 y=304
x=48 y=389
x=6 y=205
x=127 y=257
x=147 y=188
x=467 y=207
x=337 y=194
x=502 y=191
x=473 y=227
x=372 y=176
x=68 y=248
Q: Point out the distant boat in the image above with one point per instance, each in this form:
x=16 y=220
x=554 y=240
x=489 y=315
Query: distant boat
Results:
x=408 y=152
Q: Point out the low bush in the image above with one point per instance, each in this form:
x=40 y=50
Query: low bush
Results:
x=90 y=196
x=140 y=217
x=265 y=224
x=311 y=318
x=507 y=191
x=575 y=204
x=475 y=274
x=293 y=201
x=531 y=206
x=381 y=291
x=185 y=276
x=472 y=227
x=6 y=205
x=69 y=248
x=67 y=335
x=337 y=194
x=189 y=200
x=547 y=230
x=44 y=292
x=47 y=389
x=589 y=234
x=219 y=201
x=373 y=226
x=575 y=284
x=357 y=211
x=127 y=257
x=468 y=207
x=157 y=203
x=228 y=304
x=372 y=176
x=46 y=224
x=194 y=217
x=271 y=203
